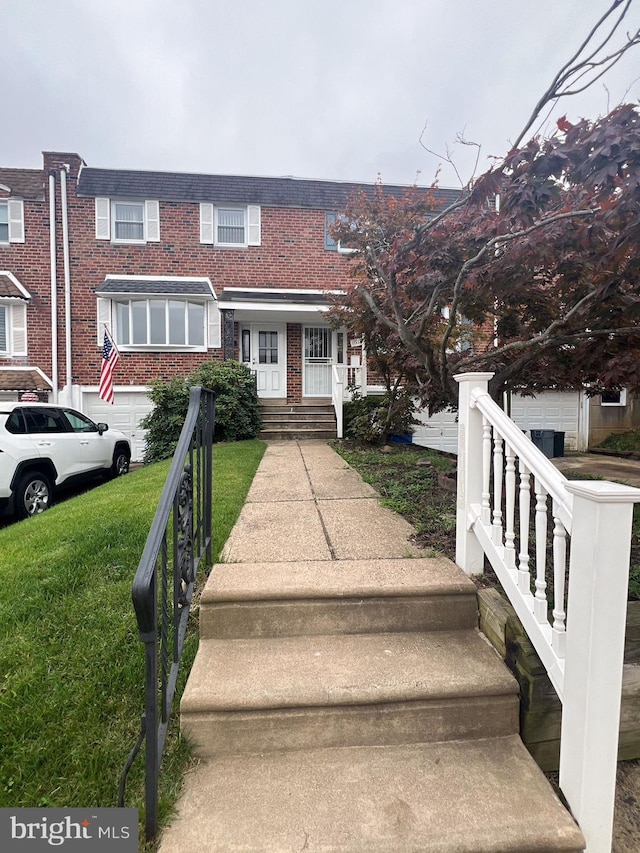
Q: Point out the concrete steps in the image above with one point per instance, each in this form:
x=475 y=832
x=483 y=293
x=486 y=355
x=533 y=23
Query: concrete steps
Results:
x=283 y=421
x=346 y=690
x=471 y=796
x=352 y=705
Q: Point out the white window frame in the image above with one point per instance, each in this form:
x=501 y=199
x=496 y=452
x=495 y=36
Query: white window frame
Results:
x=619 y=404
x=15 y=220
x=108 y=316
x=209 y=225
x=115 y=221
x=105 y=209
x=15 y=312
x=331 y=245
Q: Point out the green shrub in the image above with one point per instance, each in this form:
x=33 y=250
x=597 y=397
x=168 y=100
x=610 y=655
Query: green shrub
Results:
x=373 y=419
x=237 y=410
x=164 y=422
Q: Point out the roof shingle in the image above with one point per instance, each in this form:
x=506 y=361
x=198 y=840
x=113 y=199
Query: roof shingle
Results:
x=8 y=287
x=24 y=183
x=231 y=189
x=22 y=380
x=186 y=287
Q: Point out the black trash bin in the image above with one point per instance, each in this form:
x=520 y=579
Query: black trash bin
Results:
x=544 y=441
x=558 y=444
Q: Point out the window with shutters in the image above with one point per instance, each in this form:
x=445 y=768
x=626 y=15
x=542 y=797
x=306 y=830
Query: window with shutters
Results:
x=13 y=328
x=11 y=221
x=233 y=227
x=127 y=220
x=4 y=222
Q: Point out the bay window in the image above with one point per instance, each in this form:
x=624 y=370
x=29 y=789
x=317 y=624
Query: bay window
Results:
x=160 y=322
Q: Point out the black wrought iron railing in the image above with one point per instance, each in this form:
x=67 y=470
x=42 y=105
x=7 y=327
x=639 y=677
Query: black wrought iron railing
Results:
x=179 y=541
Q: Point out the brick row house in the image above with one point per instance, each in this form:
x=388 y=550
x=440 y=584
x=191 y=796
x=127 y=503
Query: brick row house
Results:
x=182 y=268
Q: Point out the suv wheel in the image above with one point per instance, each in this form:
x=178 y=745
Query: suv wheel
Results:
x=120 y=463
x=33 y=495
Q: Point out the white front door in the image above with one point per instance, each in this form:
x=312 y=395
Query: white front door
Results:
x=268 y=358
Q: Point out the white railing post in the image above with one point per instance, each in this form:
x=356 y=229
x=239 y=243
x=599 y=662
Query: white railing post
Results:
x=337 y=397
x=469 y=553
x=598 y=581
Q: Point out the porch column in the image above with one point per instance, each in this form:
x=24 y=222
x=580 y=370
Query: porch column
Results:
x=228 y=334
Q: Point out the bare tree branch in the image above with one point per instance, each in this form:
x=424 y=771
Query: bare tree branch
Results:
x=575 y=67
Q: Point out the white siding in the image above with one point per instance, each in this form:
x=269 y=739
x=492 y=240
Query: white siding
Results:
x=556 y=410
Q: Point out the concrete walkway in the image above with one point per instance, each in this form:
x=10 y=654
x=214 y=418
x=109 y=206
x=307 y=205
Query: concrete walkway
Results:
x=600 y=465
x=306 y=503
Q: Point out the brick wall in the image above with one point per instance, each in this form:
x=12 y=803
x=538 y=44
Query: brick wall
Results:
x=29 y=262
x=294 y=362
x=292 y=255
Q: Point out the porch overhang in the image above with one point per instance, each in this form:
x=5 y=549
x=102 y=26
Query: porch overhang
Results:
x=17 y=379
x=153 y=285
x=11 y=288
x=256 y=304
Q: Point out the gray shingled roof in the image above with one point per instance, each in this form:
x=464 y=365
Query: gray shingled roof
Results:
x=24 y=183
x=8 y=288
x=229 y=189
x=189 y=287
x=22 y=380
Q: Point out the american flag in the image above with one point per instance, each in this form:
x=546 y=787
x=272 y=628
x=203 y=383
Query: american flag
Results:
x=110 y=356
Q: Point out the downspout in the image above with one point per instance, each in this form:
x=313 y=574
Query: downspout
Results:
x=54 y=285
x=67 y=281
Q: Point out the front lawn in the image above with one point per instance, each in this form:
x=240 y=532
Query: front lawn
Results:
x=71 y=663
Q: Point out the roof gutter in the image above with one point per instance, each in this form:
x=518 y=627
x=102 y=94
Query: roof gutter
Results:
x=54 y=286
x=67 y=278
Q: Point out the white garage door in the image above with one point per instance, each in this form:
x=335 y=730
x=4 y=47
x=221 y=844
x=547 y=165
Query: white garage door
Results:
x=128 y=409
x=439 y=432
x=556 y=410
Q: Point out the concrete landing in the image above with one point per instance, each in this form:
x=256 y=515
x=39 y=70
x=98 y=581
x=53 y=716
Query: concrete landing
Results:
x=439 y=798
x=305 y=503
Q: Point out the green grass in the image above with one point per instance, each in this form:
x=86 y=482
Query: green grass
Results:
x=71 y=663
x=623 y=441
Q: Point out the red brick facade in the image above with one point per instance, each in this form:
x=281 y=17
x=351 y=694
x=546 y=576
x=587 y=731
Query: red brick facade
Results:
x=292 y=256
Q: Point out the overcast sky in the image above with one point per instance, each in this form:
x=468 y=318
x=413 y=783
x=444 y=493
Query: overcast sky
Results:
x=328 y=89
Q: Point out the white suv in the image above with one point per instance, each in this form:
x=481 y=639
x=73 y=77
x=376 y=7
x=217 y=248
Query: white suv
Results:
x=44 y=447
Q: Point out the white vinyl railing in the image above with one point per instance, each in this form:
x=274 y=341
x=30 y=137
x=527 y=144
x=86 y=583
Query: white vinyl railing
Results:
x=517 y=510
x=337 y=397
x=343 y=377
